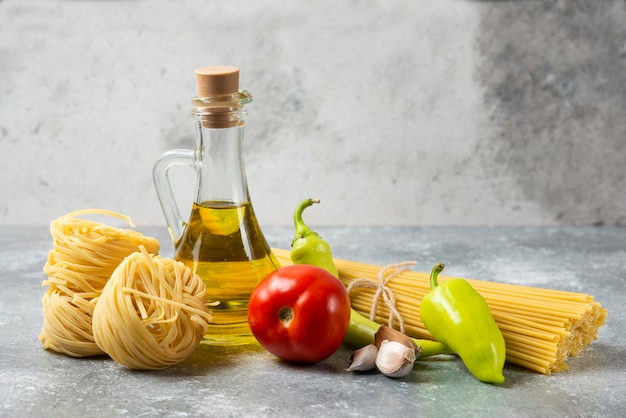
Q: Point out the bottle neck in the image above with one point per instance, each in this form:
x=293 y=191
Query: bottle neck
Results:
x=219 y=163
x=220 y=112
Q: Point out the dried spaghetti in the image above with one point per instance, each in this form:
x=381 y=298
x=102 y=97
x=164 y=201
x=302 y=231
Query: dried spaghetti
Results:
x=84 y=254
x=152 y=313
x=541 y=327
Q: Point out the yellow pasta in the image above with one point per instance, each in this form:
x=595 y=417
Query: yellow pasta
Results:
x=84 y=254
x=541 y=327
x=152 y=313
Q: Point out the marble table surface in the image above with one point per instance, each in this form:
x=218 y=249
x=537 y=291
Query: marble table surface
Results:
x=247 y=381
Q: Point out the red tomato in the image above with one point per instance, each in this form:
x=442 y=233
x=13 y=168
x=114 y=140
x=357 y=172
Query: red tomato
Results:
x=300 y=313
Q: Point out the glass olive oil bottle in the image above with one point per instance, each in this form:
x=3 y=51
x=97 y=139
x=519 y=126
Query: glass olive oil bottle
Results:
x=222 y=241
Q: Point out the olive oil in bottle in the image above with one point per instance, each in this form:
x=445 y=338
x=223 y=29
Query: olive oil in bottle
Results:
x=223 y=244
x=221 y=241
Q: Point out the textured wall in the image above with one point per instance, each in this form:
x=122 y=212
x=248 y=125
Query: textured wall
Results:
x=405 y=112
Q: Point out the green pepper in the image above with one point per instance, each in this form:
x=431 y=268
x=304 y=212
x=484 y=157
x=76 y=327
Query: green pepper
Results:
x=362 y=330
x=308 y=247
x=458 y=316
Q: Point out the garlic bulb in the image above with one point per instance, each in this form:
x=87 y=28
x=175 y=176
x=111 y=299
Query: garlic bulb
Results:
x=395 y=359
x=363 y=359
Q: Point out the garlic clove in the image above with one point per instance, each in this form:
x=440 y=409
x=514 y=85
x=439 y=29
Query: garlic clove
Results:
x=395 y=359
x=401 y=372
x=387 y=333
x=363 y=359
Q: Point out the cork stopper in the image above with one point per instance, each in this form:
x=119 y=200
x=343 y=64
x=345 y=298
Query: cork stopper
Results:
x=217 y=80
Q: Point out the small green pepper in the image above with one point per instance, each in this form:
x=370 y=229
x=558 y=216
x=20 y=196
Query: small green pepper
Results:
x=308 y=247
x=458 y=316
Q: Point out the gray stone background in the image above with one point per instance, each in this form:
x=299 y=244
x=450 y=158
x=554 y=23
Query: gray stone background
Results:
x=392 y=112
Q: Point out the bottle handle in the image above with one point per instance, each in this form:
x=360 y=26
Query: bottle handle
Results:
x=163 y=186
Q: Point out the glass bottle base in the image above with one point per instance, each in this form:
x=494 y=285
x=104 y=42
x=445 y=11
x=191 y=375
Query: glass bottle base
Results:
x=229 y=334
x=229 y=324
x=228 y=340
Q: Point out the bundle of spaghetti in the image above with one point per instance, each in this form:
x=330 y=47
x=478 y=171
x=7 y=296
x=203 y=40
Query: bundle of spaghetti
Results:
x=152 y=313
x=541 y=327
x=84 y=254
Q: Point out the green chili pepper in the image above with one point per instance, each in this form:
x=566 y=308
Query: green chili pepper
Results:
x=308 y=247
x=362 y=330
x=458 y=316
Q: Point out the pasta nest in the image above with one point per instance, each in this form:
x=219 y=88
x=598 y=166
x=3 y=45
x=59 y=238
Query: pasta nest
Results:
x=84 y=254
x=152 y=312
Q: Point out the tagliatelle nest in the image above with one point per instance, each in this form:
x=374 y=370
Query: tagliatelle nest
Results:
x=84 y=254
x=152 y=313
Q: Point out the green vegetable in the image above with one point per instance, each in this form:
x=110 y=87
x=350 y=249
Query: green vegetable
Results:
x=362 y=330
x=308 y=247
x=458 y=316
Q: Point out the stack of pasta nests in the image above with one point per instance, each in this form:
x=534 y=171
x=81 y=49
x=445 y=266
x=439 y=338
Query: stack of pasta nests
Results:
x=109 y=292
